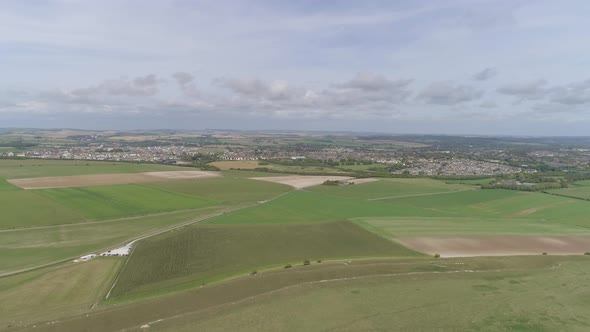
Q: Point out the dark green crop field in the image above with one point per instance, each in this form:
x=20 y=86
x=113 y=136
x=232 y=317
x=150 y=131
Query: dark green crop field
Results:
x=200 y=254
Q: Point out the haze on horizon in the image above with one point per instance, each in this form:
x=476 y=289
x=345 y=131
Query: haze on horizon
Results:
x=455 y=67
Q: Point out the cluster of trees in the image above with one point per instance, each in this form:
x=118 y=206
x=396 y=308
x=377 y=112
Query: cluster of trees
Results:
x=526 y=187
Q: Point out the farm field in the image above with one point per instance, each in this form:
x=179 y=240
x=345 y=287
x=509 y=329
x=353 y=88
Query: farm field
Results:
x=108 y=179
x=537 y=293
x=21 y=209
x=226 y=190
x=29 y=168
x=54 y=292
x=488 y=301
x=27 y=248
x=204 y=253
x=580 y=190
x=390 y=188
x=104 y=202
x=367 y=237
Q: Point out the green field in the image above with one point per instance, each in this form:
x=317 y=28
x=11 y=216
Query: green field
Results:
x=200 y=254
x=389 y=188
x=21 y=208
x=32 y=168
x=540 y=293
x=526 y=299
x=27 y=248
x=392 y=227
x=5 y=186
x=199 y=276
x=227 y=189
x=54 y=292
x=104 y=202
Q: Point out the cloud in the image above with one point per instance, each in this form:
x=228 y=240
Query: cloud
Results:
x=488 y=104
x=140 y=86
x=446 y=93
x=485 y=74
x=374 y=82
x=577 y=93
x=260 y=90
x=183 y=78
x=526 y=90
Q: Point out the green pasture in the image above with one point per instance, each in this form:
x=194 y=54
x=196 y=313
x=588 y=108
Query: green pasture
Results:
x=21 y=209
x=226 y=190
x=551 y=298
x=27 y=248
x=389 y=188
x=392 y=227
x=5 y=186
x=534 y=293
x=581 y=192
x=204 y=253
x=31 y=168
x=104 y=202
x=55 y=292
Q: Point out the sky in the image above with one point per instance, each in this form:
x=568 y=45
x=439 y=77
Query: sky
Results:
x=515 y=67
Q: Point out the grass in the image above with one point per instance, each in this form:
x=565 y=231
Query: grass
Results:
x=21 y=208
x=5 y=186
x=581 y=192
x=104 y=202
x=206 y=253
x=540 y=293
x=29 y=168
x=529 y=299
x=226 y=190
x=22 y=249
x=309 y=207
x=56 y=291
x=391 y=227
x=389 y=188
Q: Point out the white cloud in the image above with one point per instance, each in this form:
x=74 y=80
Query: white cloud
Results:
x=447 y=93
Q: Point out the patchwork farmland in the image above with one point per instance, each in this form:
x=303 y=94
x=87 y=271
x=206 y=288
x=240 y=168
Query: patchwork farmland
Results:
x=213 y=250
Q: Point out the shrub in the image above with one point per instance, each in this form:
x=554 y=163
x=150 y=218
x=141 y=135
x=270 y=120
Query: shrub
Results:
x=544 y=254
x=253 y=273
x=288 y=266
x=319 y=261
x=587 y=253
x=306 y=262
x=436 y=256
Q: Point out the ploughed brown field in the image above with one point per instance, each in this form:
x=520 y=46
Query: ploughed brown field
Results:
x=108 y=179
x=302 y=181
x=468 y=246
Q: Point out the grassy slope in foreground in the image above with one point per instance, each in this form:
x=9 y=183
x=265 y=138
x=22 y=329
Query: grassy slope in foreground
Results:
x=517 y=299
x=204 y=253
x=537 y=293
x=63 y=290
x=114 y=201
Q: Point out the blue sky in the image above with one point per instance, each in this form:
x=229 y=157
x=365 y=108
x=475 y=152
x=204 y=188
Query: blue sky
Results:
x=454 y=67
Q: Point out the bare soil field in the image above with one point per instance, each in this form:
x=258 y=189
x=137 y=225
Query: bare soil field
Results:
x=303 y=181
x=498 y=245
x=108 y=179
